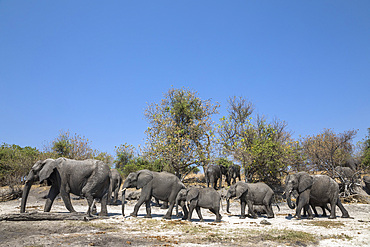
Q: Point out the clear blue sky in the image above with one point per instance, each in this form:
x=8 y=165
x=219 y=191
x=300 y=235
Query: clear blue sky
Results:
x=91 y=67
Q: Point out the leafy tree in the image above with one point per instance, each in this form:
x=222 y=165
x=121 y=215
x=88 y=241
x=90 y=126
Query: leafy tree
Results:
x=327 y=150
x=181 y=131
x=15 y=163
x=366 y=151
x=75 y=147
x=265 y=150
x=124 y=153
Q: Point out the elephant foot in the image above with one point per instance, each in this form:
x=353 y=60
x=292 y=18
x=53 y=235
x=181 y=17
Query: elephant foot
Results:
x=167 y=217
x=103 y=214
x=163 y=207
x=270 y=217
x=184 y=218
x=331 y=217
x=133 y=215
x=242 y=217
x=148 y=216
x=345 y=216
x=310 y=217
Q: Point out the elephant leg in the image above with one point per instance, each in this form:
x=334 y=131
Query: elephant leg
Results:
x=185 y=211
x=250 y=210
x=242 y=209
x=269 y=211
x=148 y=210
x=164 y=205
x=308 y=209
x=145 y=196
x=67 y=200
x=104 y=202
x=91 y=205
x=53 y=192
x=216 y=211
x=315 y=211
x=115 y=195
x=156 y=202
x=199 y=213
x=345 y=213
x=192 y=206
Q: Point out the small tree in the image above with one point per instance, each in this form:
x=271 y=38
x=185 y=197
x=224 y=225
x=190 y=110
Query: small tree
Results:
x=264 y=150
x=181 y=132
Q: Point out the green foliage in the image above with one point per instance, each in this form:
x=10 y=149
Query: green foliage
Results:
x=224 y=161
x=76 y=147
x=366 y=151
x=15 y=163
x=181 y=131
x=265 y=150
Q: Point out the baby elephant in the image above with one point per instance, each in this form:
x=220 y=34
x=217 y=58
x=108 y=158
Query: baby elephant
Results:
x=197 y=198
x=251 y=194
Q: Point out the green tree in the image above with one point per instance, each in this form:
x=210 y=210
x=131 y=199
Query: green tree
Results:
x=15 y=163
x=181 y=132
x=265 y=150
x=327 y=150
x=125 y=153
x=365 y=157
x=75 y=147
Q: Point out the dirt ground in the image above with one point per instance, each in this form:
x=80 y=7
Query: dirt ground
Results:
x=283 y=230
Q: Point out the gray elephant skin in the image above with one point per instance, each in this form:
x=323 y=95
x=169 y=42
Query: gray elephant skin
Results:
x=116 y=183
x=163 y=186
x=214 y=174
x=316 y=190
x=197 y=198
x=233 y=172
x=87 y=178
x=251 y=194
x=367 y=183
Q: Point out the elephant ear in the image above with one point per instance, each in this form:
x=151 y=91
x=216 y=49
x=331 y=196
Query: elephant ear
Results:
x=241 y=188
x=47 y=169
x=305 y=182
x=143 y=178
x=192 y=194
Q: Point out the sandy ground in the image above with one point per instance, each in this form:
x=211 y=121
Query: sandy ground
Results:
x=283 y=230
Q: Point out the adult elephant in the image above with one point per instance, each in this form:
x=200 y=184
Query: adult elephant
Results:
x=213 y=174
x=115 y=186
x=163 y=186
x=251 y=194
x=317 y=190
x=233 y=172
x=87 y=178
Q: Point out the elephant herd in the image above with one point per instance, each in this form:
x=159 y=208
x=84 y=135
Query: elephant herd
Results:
x=95 y=181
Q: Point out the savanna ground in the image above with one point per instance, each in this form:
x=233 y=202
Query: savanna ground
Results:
x=115 y=230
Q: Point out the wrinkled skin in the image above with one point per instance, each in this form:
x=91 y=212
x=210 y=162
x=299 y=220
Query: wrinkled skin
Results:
x=163 y=186
x=251 y=194
x=87 y=178
x=313 y=190
x=214 y=174
x=197 y=198
x=115 y=185
x=367 y=183
x=232 y=174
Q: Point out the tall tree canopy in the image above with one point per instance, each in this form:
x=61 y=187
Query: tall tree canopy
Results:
x=181 y=130
x=264 y=150
x=327 y=150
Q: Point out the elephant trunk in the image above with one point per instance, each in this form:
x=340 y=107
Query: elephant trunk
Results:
x=123 y=201
x=26 y=190
x=228 y=206
x=291 y=204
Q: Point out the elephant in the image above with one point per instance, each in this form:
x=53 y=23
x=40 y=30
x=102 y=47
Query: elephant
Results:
x=313 y=190
x=251 y=194
x=213 y=174
x=367 y=183
x=115 y=185
x=163 y=186
x=87 y=178
x=233 y=172
x=197 y=198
